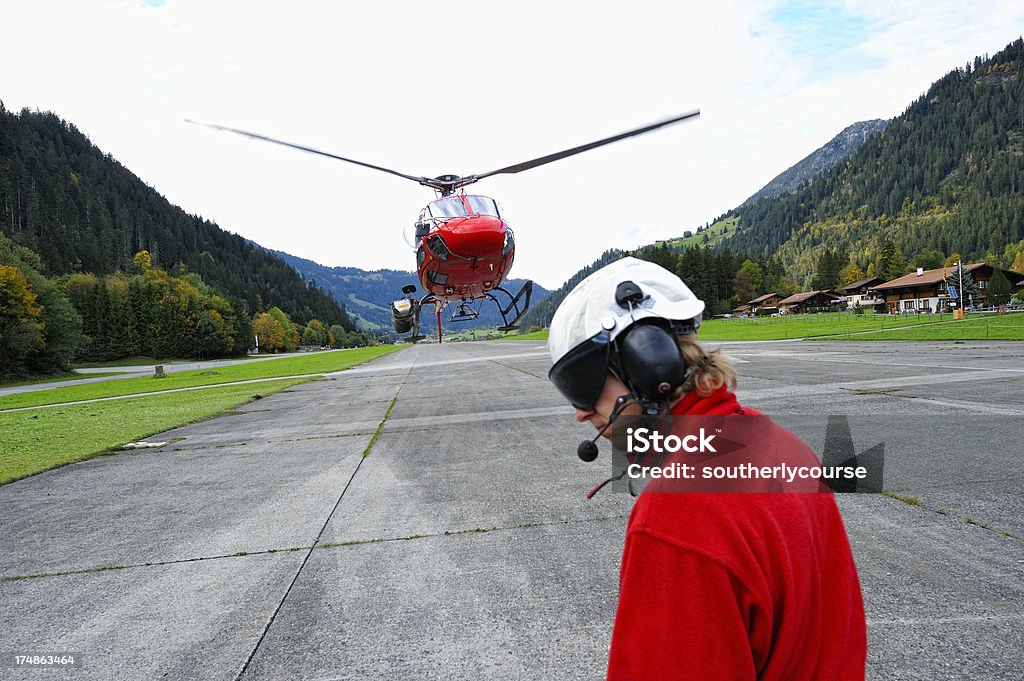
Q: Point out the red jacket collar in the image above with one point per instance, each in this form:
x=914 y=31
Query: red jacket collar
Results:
x=722 y=402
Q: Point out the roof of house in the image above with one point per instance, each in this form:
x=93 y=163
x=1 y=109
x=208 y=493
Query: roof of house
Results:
x=860 y=282
x=926 y=278
x=797 y=298
x=761 y=299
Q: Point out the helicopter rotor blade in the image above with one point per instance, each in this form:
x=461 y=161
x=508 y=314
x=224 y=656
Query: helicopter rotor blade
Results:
x=526 y=165
x=311 y=150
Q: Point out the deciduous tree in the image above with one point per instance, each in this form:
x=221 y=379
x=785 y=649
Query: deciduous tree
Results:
x=21 y=330
x=268 y=332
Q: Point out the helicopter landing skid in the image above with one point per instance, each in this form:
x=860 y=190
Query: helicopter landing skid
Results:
x=513 y=305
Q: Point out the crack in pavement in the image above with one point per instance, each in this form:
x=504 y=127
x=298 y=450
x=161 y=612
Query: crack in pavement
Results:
x=315 y=547
x=522 y=371
x=323 y=527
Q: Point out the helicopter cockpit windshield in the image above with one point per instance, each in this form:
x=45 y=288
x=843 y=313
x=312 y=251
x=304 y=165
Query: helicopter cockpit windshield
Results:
x=482 y=205
x=446 y=209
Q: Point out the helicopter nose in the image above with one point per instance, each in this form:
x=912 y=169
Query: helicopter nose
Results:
x=478 y=236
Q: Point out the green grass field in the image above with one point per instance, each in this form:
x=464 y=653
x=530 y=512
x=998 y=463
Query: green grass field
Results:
x=37 y=440
x=532 y=336
x=715 y=233
x=975 y=327
x=797 y=326
x=40 y=439
x=314 y=363
x=847 y=326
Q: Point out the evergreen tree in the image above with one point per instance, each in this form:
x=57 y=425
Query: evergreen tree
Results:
x=891 y=263
x=927 y=260
x=826 y=273
x=999 y=288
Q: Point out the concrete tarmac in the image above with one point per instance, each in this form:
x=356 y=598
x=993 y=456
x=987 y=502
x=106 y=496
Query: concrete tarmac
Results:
x=422 y=517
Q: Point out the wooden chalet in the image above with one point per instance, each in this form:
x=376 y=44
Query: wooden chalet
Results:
x=859 y=293
x=926 y=290
x=770 y=300
x=809 y=301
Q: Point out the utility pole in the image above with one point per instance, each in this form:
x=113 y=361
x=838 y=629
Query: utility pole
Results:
x=960 y=268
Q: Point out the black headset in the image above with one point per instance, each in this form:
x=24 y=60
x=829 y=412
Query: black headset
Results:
x=647 y=358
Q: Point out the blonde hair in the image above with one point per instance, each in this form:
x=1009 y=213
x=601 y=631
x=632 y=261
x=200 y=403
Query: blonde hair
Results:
x=706 y=371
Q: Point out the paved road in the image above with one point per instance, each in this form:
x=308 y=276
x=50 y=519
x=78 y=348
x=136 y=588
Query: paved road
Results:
x=136 y=370
x=266 y=545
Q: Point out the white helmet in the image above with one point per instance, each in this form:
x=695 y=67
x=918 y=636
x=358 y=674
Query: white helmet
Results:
x=600 y=309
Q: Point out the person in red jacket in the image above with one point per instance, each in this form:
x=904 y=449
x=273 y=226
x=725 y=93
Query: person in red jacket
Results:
x=718 y=581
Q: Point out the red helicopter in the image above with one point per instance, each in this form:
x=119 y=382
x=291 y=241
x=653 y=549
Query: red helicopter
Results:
x=464 y=247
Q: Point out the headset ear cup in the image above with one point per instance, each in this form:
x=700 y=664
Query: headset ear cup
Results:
x=652 y=362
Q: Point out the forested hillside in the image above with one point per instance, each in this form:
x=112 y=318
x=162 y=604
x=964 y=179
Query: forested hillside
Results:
x=821 y=160
x=941 y=182
x=82 y=211
x=97 y=266
x=946 y=176
x=541 y=312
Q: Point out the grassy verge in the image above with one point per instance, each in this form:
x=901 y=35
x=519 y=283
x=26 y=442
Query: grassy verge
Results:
x=318 y=363
x=804 y=326
x=980 y=327
x=532 y=336
x=837 y=326
x=38 y=440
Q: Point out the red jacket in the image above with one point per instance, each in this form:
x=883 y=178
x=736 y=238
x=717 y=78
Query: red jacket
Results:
x=737 y=586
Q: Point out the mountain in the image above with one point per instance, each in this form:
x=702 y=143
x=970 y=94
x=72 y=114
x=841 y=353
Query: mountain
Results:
x=837 y=150
x=946 y=176
x=718 y=234
x=368 y=295
x=82 y=211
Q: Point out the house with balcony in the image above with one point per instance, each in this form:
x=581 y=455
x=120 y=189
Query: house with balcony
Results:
x=928 y=290
x=809 y=301
x=859 y=293
x=769 y=301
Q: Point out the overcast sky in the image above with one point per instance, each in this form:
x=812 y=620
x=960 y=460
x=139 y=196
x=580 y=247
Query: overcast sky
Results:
x=466 y=87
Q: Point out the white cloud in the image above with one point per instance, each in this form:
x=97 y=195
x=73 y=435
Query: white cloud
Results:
x=467 y=88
